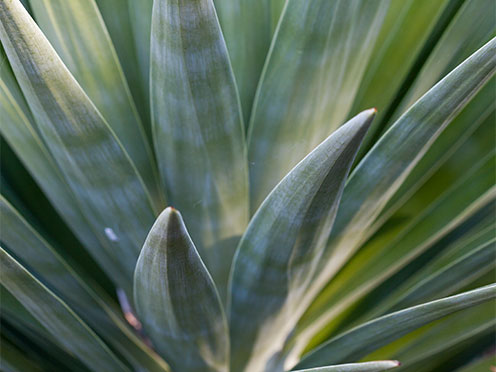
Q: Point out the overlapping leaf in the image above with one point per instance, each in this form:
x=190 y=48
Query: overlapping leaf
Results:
x=379 y=366
x=65 y=326
x=313 y=69
x=282 y=246
x=177 y=299
x=197 y=126
x=372 y=335
x=91 y=158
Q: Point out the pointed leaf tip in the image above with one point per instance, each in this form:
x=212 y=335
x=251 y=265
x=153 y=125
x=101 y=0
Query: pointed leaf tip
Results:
x=177 y=300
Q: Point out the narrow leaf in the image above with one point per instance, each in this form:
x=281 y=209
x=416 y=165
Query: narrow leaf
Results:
x=97 y=168
x=363 y=339
x=247 y=29
x=383 y=170
x=70 y=331
x=318 y=54
x=177 y=300
x=84 y=43
x=197 y=126
x=378 y=366
x=282 y=246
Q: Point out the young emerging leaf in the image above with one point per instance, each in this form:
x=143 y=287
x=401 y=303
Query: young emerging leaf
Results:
x=177 y=301
x=282 y=246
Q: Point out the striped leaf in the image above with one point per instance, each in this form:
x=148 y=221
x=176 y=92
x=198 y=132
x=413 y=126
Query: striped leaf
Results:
x=282 y=246
x=85 y=42
x=177 y=300
x=318 y=54
x=197 y=126
x=92 y=160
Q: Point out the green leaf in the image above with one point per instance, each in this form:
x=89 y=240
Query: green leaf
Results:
x=197 y=126
x=379 y=175
x=247 y=29
x=378 y=366
x=15 y=360
x=177 y=300
x=79 y=292
x=457 y=43
x=370 y=336
x=313 y=70
x=377 y=262
x=85 y=42
x=95 y=165
x=64 y=325
x=279 y=252
x=22 y=134
x=407 y=31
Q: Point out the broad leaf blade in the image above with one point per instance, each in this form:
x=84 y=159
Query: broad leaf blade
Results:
x=65 y=326
x=86 y=49
x=197 y=126
x=370 y=336
x=282 y=246
x=378 y=366
x=95 y=165
x=177 y=300
x=317 y=57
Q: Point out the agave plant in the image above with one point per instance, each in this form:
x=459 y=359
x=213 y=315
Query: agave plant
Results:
x=312 y=233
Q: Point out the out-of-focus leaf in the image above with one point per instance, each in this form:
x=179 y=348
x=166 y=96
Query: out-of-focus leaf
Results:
x=381 y=172
x=482 y=364
x=378 y=366
x=319 y=53
x=81 y=293
x=449 y=332
x=197 y=126
x=448 y=147
x=409 y=30
x=282 y=246
x=140 y=13
x=71 y=332
x=21 y=133
x=247 y=29
x=95 y=165
x=14 y=360
x=377 y=263
x=459 y=40
x=77 y=32
x=177 y=300
x=372 y=335
x=119 y=20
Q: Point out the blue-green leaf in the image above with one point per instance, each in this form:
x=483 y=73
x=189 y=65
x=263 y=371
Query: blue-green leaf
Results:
x=177 y=300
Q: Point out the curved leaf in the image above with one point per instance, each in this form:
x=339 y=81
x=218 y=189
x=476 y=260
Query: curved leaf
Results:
x=65 y=326
x=197 y=126
x=378 y=366
x=177 y=299
x=313 y=69
x=95 y=165
x=76 y=31
x=370 y=336
x=282 y=246
x=382 y=171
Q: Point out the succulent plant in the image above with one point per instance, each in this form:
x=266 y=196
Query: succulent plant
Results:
x=312 y=233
